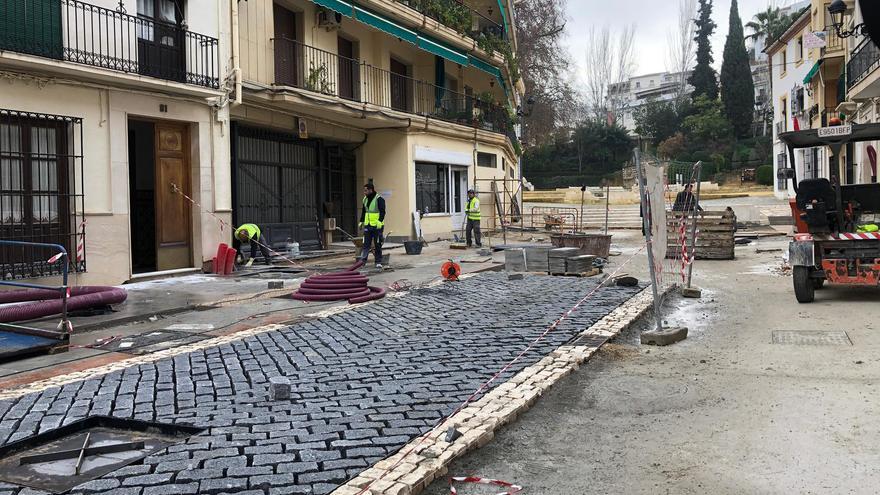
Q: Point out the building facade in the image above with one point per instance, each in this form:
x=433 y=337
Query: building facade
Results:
x=789 y=67
x=337 y=94
x=861 y=103
x=134 y=133
x=629 y=96
x=110 y=112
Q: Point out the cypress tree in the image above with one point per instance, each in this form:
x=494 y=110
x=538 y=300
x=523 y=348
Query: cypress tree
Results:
x=703 y=78
x=737 y=87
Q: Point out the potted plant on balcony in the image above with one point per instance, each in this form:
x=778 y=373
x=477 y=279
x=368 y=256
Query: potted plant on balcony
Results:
x=317 y=80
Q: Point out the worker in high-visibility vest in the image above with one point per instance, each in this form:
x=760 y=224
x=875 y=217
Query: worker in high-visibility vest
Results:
x=250 y=233
x=373 y=222
x=472 y=209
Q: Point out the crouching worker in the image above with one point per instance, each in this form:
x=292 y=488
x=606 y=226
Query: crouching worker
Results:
x=250 y=233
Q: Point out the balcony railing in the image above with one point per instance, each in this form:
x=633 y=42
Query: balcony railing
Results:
x=865 y=60
x=87 y=34
x=306 y=67
x=460 y=17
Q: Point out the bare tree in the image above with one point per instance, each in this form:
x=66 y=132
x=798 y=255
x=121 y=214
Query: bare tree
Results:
x=610 y=60
x=543 y=62
x=680 y=45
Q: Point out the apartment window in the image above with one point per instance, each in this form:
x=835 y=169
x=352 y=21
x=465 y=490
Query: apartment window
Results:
x=799 y=49
x=40 y=168
x=783 y=60
x=432 y=187
x=784 y=114
x=781 y=160
x=488 y=160
x=638 y=84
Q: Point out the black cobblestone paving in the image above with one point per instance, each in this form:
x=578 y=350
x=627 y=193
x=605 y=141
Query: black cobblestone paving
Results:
x=364 y=383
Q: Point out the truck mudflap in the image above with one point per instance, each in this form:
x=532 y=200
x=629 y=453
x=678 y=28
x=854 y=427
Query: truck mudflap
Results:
x=852 y=272
x=801 y=253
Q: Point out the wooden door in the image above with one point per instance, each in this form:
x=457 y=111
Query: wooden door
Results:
x=349 y=75
x=288 y=53
x=173 y=217
x=400 y=93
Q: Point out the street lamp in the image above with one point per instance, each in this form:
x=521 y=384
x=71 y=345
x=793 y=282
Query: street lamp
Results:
x=838 y=11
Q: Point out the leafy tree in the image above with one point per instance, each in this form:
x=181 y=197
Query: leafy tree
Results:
x=703 y=78
x=660 y=120
x=707 y=124
x=737 y=87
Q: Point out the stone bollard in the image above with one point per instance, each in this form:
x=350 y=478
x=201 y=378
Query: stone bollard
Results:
x=279 y=388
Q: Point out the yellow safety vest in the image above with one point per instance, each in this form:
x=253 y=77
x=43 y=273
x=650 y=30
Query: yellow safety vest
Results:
x=868 y=228
x=252 y=230
x=371 y=219
x=473 y=209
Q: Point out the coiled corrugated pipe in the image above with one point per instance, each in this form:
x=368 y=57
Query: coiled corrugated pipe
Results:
x=48 y=302
x=346 y=284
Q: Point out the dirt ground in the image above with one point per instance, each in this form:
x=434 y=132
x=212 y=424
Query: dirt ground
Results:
x=725 y=411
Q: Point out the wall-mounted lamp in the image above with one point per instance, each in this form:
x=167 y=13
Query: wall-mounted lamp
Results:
x=838 y=11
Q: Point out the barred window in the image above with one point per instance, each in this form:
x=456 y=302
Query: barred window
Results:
x=40 y=191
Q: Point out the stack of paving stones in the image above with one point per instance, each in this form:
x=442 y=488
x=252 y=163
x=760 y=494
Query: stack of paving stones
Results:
x=364 y=382
x=579 y=264
x=515 y=260
x=558 y=257
x=537 y=258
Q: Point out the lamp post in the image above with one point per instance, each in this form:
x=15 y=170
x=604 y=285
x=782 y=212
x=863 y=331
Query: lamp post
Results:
x=838 y=11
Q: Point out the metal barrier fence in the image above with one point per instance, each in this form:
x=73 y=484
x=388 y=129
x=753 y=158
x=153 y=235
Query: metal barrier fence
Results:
x=60 y=257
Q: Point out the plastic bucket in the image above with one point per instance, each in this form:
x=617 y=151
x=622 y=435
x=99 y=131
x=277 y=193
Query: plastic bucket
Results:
x=412 y=247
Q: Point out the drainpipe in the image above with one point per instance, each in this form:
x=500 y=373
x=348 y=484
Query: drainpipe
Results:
x=236 y=70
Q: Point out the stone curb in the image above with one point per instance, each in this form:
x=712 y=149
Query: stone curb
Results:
x=427 y=458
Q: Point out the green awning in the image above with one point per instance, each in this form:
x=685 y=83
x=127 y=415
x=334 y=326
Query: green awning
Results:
x=442 y=50
x=385 y=25
x=813 y=71
x=486 y=67
x=343 y=8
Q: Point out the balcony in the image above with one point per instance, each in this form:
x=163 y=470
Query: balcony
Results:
x=463 y=19
x=82 y=33
x=865 y=60
x=305 y=67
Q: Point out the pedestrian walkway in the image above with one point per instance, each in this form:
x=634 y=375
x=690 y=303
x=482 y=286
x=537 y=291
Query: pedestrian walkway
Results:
x=366 y=381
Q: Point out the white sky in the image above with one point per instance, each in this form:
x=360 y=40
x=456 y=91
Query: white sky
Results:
x=652 y=18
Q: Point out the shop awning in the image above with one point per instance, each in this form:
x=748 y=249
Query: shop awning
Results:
x=813 y=71
x=343 y=8
x=441 y=50
x=385 y=25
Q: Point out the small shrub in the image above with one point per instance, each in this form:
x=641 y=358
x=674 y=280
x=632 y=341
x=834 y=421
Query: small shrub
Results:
x=764 y=175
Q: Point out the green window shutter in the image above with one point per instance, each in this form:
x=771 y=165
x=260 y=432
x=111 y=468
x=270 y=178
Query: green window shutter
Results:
x=31 y=26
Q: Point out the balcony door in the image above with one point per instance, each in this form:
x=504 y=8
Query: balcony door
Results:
x=288 y=52
x=161 y=37
x=400 y=86
x=349 y=70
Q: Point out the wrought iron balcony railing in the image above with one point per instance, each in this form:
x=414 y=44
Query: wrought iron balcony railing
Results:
x=306 y=67
x=865 y=60
x=83 y=33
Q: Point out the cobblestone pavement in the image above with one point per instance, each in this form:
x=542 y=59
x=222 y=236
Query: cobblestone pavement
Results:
x=365 y=382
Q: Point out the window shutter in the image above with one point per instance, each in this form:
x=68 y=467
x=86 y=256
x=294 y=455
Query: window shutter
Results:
x=31 y=26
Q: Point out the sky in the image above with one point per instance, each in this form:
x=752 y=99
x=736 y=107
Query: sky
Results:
x=652 y=19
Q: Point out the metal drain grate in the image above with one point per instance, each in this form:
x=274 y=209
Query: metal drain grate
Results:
x=588 y=340
x=60 y=459
x=801 y=337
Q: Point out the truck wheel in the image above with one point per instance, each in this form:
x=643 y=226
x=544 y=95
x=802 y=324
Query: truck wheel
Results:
x=818 y=283
x=804 y=290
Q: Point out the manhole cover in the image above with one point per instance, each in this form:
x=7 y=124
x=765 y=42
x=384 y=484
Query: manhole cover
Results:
x=798 y=337
x=59 y=459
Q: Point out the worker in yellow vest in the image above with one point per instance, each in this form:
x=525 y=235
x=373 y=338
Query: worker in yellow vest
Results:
x=250 y=233
x=473 y=218
x=373 y=221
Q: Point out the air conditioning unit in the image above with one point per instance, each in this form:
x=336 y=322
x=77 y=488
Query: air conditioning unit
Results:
x=329 y=19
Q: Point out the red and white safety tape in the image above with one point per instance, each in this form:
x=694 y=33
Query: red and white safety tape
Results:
x=511 y=488
x=858 y=236
x=81 y=242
